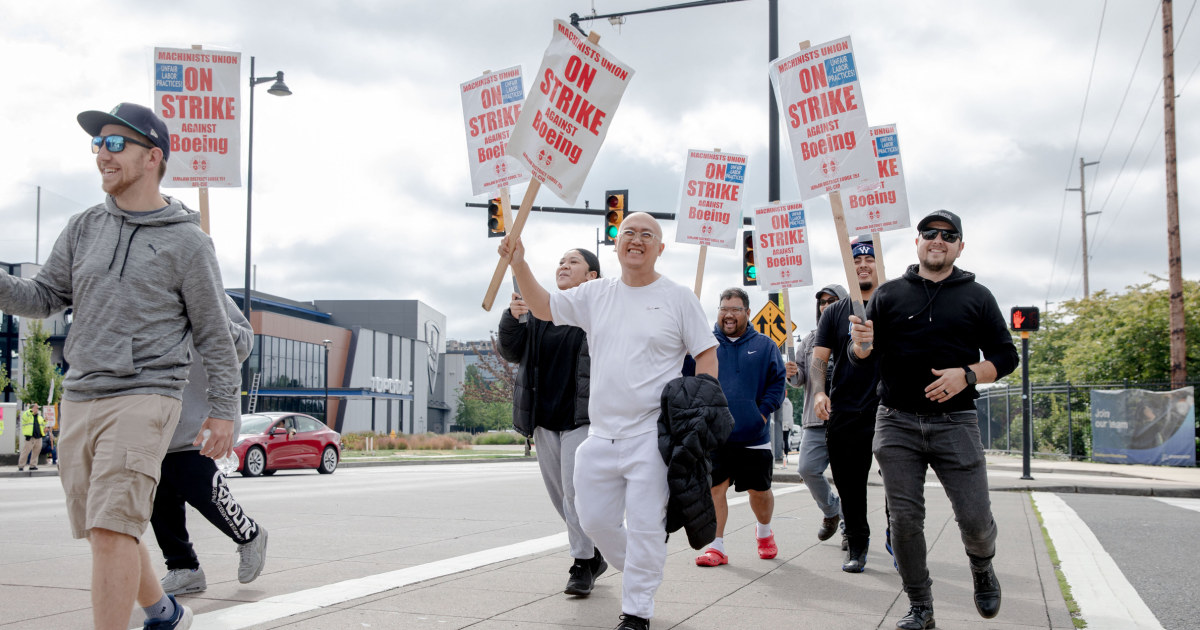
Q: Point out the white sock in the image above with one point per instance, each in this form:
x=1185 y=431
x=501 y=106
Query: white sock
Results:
x=763 y=530
x=718 y=544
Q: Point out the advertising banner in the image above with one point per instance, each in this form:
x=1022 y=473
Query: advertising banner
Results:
x=569 y=110
x=781 y=246
x=885 y=208
x=1135 y=426
x=710 y=205
x=197 y=93
x=491 y=105
x=821 y=103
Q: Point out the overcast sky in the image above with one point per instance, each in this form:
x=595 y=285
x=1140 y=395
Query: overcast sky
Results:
x=361 y=175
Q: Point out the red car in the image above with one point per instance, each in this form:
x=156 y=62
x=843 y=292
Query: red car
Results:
x=281 y=440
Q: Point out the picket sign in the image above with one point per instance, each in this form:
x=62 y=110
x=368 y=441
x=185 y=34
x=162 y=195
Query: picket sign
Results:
x=518 y=224
x=702 y=258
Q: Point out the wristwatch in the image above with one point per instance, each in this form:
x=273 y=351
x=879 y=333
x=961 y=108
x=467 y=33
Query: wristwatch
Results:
x=972 y=378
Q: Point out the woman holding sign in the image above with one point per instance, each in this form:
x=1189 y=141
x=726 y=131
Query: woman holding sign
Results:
x=550 y=404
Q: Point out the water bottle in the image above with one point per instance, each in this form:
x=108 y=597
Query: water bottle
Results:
x=228 y=464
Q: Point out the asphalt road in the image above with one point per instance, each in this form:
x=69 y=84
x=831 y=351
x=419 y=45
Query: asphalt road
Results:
x=1156 y=546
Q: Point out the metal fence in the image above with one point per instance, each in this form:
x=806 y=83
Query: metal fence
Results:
x=1060 y=417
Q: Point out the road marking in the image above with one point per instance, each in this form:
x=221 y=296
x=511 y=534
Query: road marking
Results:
x=1187 y=504
x=1107 y=601
x=281 y=606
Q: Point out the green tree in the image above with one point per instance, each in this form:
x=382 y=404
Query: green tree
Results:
x=41 y=377
x=483 y=404
x=1113 y=337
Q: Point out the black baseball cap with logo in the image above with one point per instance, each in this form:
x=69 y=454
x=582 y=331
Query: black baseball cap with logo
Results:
x=941 y=215
x=136 y=117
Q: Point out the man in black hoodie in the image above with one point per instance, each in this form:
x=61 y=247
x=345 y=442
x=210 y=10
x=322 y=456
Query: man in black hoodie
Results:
x=928 y=329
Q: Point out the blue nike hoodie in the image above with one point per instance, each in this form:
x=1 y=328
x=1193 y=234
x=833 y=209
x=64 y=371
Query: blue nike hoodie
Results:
x=752 y=376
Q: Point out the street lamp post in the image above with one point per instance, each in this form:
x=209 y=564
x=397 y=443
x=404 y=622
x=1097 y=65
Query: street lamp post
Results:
x=278 y=89
x=326 y=343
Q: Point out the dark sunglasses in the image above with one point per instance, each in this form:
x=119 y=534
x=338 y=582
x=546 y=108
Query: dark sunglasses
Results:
x=115 y=144
x=827 y=301
x=949 y=236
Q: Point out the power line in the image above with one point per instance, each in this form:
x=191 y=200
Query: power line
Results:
x=1075 y=151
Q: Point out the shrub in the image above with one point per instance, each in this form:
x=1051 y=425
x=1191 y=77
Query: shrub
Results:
x=499 y=437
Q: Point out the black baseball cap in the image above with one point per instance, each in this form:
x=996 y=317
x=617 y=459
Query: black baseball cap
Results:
x=136 y=117
x=941 y=215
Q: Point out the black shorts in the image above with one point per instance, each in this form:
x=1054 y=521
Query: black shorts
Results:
x=745 y=468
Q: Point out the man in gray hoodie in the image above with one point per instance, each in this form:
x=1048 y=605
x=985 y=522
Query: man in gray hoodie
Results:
x=814 y=454
x=143 y=280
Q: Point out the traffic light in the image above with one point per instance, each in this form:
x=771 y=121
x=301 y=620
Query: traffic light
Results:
x=749 y=271
x=495 y=218
x=1024 y=318
x=616 y=201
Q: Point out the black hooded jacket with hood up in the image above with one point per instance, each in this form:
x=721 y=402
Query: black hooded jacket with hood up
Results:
x=922 y=325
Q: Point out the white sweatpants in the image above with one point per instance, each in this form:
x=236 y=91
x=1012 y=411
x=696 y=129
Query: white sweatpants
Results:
x=618 y=482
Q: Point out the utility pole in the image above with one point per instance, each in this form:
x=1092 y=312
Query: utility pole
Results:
x=37 y=230
x=1174 y=258
x=1083 y=215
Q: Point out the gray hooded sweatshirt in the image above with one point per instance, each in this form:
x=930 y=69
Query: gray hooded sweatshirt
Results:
x=143 y=289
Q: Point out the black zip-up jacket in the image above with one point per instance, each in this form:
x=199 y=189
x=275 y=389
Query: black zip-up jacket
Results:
x=694 y=421
x=552 y=382
x=922 y=325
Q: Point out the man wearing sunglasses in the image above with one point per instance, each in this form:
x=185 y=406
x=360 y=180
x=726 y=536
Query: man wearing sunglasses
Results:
x=639 y=327
x=928 y=330
x=814 y=452
x=143 y=280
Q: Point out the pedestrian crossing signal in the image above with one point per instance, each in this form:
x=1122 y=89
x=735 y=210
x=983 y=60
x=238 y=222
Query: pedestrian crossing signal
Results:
x=1024 y=318
x=616 y=201
x=495 y=218
x=749 y=270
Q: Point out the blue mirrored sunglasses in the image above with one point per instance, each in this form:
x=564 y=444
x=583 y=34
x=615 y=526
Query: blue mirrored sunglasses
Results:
x=115 y=143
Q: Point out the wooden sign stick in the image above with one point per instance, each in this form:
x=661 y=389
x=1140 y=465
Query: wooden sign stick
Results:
x=515 y=233
x=203 y=188
x=880 y=272
x=786 y=303
x=526 y=204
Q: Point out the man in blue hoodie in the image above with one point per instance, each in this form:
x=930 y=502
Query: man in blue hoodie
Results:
x=752 y=376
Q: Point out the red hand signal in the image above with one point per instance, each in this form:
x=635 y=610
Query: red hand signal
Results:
x=1018 y=319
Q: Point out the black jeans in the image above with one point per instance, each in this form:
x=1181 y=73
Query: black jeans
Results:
x=849 y=436
x=190 y=477
x=906 y=445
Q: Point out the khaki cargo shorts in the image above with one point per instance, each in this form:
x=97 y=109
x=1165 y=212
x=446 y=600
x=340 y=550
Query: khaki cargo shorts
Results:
x=110 y=455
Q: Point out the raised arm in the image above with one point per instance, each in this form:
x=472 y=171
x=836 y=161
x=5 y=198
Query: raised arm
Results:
x=536 y=298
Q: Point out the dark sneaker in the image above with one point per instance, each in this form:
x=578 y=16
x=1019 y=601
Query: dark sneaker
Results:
x=918 y=618
x=33 y=468
x=184 y=581
x=987 y=591
x=856 y=560
x=181 y=620
x=582 y=579
x=829 y=526
x=599 y=566
x=633 y=622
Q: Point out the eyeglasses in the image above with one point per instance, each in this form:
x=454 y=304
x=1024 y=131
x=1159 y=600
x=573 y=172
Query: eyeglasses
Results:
x=731 y=309
x=645 y=237
x=115 y=144
x=828 y=301
x=949 y=236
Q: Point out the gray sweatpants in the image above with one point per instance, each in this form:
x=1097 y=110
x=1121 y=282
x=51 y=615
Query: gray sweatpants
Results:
x=556 y=458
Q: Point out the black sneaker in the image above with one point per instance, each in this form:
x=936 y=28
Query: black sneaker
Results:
x=987 y=591
x=582 y=579
x=918 y=618
x=33 y=468
x=856 y=560
x=599 y=566
x=828 y=527
x=633 y=622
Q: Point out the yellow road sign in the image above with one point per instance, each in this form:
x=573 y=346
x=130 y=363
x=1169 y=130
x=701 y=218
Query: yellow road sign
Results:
x=769 y=321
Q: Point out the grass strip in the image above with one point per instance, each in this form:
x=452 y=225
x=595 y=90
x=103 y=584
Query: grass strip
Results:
x=1072 y=605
